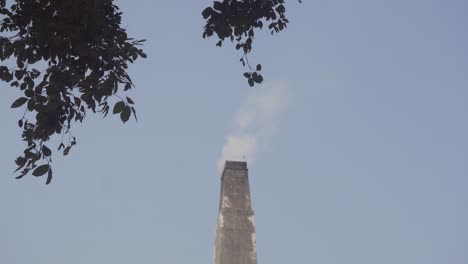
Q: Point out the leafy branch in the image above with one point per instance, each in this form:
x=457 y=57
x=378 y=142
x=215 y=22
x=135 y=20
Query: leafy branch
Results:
x=86 y=54
x=237 y=21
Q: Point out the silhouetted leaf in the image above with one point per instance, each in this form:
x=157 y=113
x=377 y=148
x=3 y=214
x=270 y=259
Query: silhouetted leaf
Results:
x=134 y=113
x=257 y=77
x=259 y=67
x=66 y=151
x=46 y=151
x=125 y=114
x=251 y=82
x=41 y=170
x=23 y=173
x=130 y=101
x=217 y=5
x=49 y=176
x=141 y=53
x=31 y=105
x=19 y=63
x=260 y=78
x=118 y=107
x=19 y=102
x=20 y=161
x=207 y=12
x=19 y=74
x=61 y=146
x=243 y=62
x=29 y=93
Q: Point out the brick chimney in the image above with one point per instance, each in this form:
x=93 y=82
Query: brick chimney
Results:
x=235 y=230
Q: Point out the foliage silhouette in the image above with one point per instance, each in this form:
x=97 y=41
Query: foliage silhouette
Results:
x=237 y=21
x=71 y=57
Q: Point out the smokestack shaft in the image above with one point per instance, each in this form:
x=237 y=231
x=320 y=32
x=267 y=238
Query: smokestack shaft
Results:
x=235 y=230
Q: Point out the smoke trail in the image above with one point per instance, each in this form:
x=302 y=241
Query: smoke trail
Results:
x=255 y=123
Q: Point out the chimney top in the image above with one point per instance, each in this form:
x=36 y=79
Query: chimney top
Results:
x=239 y=165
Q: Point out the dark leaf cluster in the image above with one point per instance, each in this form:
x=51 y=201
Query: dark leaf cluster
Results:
x=71 y=57
x=237 y=20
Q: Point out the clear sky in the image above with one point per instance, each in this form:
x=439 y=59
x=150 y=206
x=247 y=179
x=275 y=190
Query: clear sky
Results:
x=368 y=164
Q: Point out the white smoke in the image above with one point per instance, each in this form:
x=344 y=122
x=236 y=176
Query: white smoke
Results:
x=255 y=123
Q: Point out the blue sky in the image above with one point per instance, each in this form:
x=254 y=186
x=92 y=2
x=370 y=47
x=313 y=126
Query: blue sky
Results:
x=368 y=163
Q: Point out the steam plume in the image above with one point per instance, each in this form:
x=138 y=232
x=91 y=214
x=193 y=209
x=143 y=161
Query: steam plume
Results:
x=255 y=123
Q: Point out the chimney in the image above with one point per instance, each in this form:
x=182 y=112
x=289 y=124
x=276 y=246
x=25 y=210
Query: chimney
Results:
x=235 y=230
